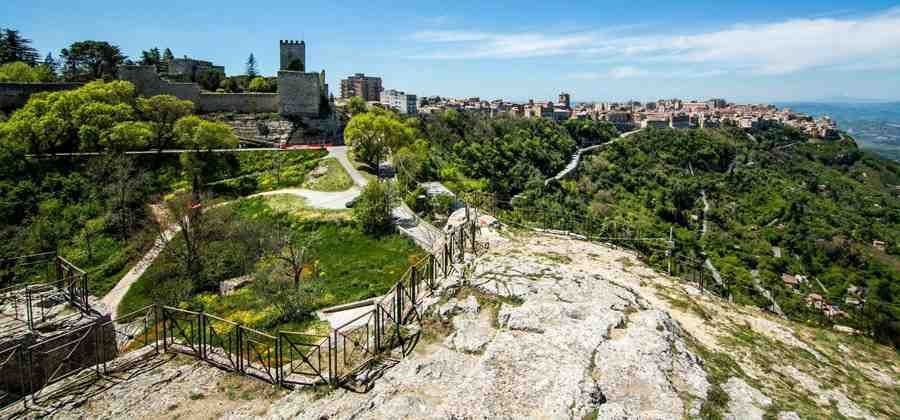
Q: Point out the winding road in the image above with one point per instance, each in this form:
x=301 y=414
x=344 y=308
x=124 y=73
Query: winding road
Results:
x=573 y=163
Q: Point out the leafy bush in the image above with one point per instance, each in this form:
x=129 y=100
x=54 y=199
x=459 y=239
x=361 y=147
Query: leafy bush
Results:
x=373 y=208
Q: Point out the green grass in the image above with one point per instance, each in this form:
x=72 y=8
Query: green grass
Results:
x=351 y=265
x=335 y=179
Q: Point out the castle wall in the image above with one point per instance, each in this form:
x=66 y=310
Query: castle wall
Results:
x=290 y=51
x=247 y=103
x=148 y=83
x=300 y=94
x=14 y=95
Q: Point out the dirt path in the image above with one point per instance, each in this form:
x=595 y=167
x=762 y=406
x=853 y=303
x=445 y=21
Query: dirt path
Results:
x=340 y=153
x=115 y=296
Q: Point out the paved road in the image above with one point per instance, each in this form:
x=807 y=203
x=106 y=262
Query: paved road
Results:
x=573 y=163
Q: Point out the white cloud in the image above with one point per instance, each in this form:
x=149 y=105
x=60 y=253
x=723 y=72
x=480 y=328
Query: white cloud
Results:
x=771 y=48
x=492 y=45
x=625 y=72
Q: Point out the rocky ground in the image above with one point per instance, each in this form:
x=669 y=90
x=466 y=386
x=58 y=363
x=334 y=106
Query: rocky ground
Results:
x=548 y=327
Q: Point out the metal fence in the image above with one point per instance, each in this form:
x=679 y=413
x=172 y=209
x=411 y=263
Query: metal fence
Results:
x=27 y=304
x=285 y=358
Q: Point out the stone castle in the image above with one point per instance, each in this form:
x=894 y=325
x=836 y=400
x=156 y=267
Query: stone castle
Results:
x=300 y=94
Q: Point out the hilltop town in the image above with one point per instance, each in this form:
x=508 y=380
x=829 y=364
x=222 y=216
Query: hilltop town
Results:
x=628 y=116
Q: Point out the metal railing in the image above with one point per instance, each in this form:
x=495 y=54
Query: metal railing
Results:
x=284 y=358
x=29 y=302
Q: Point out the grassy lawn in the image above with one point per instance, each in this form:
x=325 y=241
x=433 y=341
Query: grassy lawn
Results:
x=246 y=173
x=334 y=179
x=351 y=265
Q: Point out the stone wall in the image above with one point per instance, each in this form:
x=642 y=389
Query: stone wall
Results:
x=248 y=103
x=300 y=94
x=148 y=83
x=14 y=95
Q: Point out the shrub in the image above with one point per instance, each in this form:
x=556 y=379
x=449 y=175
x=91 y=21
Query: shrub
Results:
x=373 y=208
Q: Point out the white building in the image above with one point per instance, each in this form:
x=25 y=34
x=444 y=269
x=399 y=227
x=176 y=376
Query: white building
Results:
x=402 y=102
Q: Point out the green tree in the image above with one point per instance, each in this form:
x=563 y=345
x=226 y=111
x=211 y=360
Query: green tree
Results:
x=51 y=64
x=129 y=135
x=251 y=66
x=151 y=58
x=356 y=105
x=209 y=79
x=230 y=85
x=79 y=119
x=91 y=60
x=373 y=208
x=21 y=72
x=374 y=136
x=166 y=59
x=201 y=137
x=587 y=132
x=261 y=84
x=14 y=47
x=162 y=111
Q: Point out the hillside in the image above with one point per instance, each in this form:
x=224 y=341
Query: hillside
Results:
x=768 y=205
x=559 y=328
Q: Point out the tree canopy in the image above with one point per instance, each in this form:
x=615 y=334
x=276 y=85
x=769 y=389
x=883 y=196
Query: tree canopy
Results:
x=22 y=72
x=14 y=47
x=91 y=60
x=374 y=136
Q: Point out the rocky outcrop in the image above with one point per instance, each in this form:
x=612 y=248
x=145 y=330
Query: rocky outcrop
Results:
x=745 y=402
x=548 y=340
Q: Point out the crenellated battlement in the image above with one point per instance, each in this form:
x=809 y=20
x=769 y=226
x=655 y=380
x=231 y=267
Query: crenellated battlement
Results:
x=292 y=42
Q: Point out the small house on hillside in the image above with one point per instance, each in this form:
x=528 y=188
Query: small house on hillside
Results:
x=815 y=300
x=790 y=281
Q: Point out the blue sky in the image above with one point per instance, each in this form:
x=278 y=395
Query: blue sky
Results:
x=596 y=50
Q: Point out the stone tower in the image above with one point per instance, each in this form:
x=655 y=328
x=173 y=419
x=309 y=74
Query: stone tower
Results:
x=293 y=55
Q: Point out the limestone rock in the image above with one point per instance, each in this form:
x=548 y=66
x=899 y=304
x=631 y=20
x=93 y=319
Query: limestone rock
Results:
x=745 y=401
x=788 y=415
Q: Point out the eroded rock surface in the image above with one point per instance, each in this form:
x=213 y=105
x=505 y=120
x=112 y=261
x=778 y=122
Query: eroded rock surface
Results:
x=567 y=341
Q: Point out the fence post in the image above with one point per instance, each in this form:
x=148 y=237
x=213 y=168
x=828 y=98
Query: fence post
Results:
x=200 y=334
x=238 y=342
x=156 y=328
x=462 y=244
x=162 y=310
x=334 y=373
x=472 y=227
x=414 y=278
x=28 y=310
x=399 y=301
x=377 y=318
x=278 y=365
x=445 y=257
